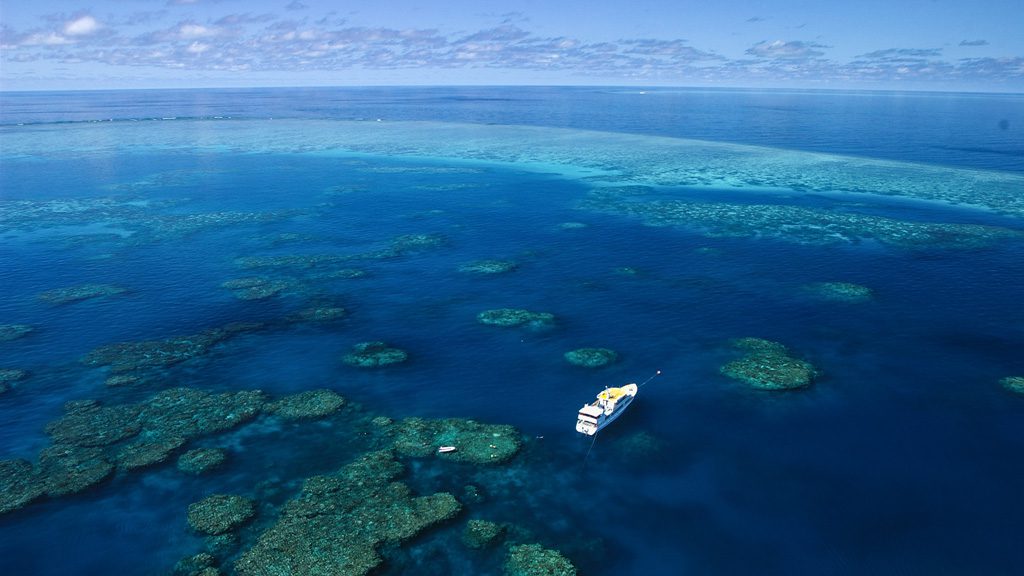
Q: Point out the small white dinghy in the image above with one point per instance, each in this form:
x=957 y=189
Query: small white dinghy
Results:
x=445 y=449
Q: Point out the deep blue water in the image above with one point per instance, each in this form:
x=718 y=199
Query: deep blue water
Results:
x=902 y=458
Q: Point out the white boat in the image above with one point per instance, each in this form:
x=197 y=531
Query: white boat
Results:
x=610 y=404
x=446 y=449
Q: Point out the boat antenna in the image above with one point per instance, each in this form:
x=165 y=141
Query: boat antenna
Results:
x=653 y=376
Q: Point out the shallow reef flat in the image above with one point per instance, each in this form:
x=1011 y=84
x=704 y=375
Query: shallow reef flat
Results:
x=599 y=157
x=795 y=223
x=122 y=220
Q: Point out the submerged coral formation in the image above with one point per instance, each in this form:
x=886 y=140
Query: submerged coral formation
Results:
x=18 y=485
x=638 y=446
x=591 y=357
x=256 y=287
x=8 y=375
x=474 y=442
x=189 y=413
x=841 y=291
x=535 y=560
x=481 y=533
x=322 y=312
x=489 y=267
x=415 y=242
x=91 y=441
x=10 y=332
x=374 y=354
x=516 y=317
x=338 y=522
x=123 y=380
x=220 y=513
x=81 y=292
x=150 y=448
x=333 y=266
x=131 y=356
x=87 y=423
x=342 y=274
x=67 y=469
x=306 y=405
x=294 y=261
x=201 y=460
x=202 y=564
x=1013 y=384
x=768 y=366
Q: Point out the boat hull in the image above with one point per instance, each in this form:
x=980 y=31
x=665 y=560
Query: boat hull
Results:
x=595 y=417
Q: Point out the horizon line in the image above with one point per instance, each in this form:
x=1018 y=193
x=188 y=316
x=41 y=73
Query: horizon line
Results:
x=632 y=87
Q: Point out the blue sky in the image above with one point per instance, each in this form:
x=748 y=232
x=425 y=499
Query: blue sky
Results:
x=893 y=44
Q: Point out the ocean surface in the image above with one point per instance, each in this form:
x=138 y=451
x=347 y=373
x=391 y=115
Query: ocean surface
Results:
x=878 y=237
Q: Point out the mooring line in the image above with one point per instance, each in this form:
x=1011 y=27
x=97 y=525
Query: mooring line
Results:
x=653 y=376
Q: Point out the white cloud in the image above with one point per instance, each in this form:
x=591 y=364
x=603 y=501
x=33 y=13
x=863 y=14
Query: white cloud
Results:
x=794 y=49
x=259 y=42
x=82 y=26
x=44 y=39
x=192 y=30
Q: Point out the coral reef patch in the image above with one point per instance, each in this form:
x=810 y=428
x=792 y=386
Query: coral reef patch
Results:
x=323 y=311
x=202 y=564
x=489 y=267
x=374 y=354
x=474 y=442
x=1013 y=384
x=91 y=441
x=18 y=485
x=338 y=522
x=9 y=375
x=306 y=405
x=516 y=317
x=256 y=287
x=841 y=291
x=79 y=293
x=481 y=533
x=220 y=513
x=767 y=365
x=132 y=356
x=591 y=357
x=201 y=460
x=148 y=449
x=535 y=560
x=9 y=332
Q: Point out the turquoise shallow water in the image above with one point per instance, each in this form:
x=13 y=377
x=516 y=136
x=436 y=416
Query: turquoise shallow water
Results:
x=663 y=242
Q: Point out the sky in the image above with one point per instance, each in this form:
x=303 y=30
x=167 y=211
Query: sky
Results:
x=956 y=45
